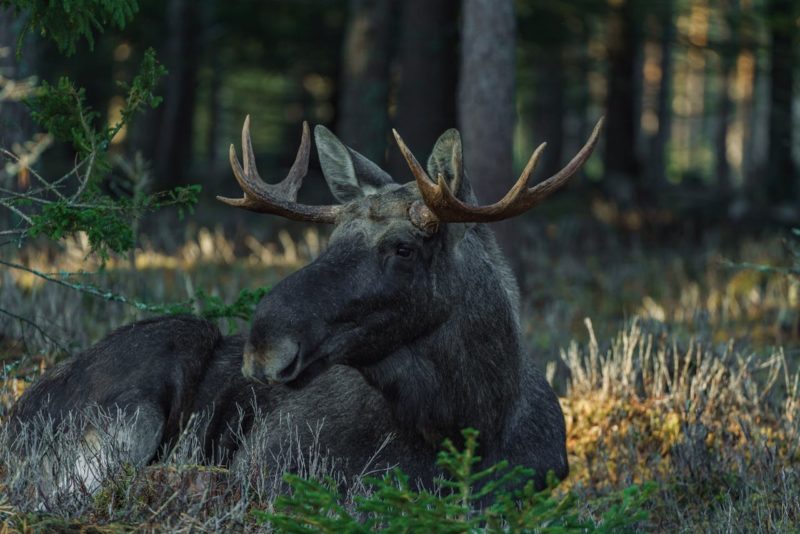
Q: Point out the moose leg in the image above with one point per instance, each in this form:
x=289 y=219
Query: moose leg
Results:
x=112 y=440
x=115 y=404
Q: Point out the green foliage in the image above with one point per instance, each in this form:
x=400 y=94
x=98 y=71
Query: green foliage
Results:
x=67 y=21
x=107 y=222
x=106 y=229
x=141 y=91
x=213 y=307
x=61 y=109
x=495 y=499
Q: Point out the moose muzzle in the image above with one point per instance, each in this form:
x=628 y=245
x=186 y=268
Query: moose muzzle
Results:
x=276 y=361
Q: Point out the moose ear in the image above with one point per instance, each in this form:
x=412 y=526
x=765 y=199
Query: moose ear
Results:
x=447 y=159
x=349 y=174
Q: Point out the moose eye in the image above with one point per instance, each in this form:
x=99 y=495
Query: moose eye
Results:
x=403 y=251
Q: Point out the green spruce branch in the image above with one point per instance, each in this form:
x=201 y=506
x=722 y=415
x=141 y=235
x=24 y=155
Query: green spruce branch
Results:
x=496 y=499
x=65 y=22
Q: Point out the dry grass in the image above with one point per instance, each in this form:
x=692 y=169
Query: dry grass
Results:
x=151 y=275
x=715 y=425
x=58 y=483
x=573 y=271
x=699 y=394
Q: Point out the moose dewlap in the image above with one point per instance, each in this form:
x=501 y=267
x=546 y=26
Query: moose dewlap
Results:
x=406 y=327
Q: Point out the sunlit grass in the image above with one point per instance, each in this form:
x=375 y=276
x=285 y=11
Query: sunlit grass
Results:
x=209 y=248
x=694 y=288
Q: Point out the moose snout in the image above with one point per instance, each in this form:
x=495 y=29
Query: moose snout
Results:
x=276 y=361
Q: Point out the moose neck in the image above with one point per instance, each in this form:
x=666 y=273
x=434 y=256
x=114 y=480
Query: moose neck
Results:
x=465 y=373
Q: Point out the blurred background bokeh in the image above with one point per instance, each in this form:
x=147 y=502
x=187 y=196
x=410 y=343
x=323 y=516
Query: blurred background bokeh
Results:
x=695 y=174
x=699 y=95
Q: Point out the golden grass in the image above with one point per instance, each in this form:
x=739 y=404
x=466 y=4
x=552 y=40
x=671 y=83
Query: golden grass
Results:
x=210 y=247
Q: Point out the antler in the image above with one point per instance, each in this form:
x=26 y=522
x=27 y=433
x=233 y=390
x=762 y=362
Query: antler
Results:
x=278 y=199
x=445 y=207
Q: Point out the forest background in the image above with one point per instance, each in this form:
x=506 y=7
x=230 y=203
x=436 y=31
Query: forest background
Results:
x=678 y=232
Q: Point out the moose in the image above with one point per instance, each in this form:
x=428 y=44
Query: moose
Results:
x=407 y=325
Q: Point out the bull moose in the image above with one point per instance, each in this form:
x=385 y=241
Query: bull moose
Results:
x=406 y=325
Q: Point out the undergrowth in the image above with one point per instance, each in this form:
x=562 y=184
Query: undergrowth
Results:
x=499 y=498
x=663 y=435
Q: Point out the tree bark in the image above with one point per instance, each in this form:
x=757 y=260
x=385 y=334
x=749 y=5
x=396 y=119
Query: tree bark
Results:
x=363 y=105
x=173 y=151
x=661 y=139
x=549 y=110
x=486 y=107
x=620 y=136
x=428 y=70
x=781 y=183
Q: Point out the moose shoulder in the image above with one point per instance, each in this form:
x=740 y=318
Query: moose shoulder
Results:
x=407 y=325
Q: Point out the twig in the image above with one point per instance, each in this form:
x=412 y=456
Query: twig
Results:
x=18 y=212
x=28 y=195
x=47 y=185
x=767 y=269
x=92 y=153
x=11 y=232
x=37 y=327
x=88 y=289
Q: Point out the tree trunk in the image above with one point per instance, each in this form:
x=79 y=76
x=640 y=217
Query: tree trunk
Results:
x=428 y=68
x=620 y=136
x=723 y=114
x=214 y=111
x=173 y=151
x=549 y=111
x=212 y=44
x=15 y=122
x=781 y=183
x=363 y=104
x=486 y=106
x=661 y=139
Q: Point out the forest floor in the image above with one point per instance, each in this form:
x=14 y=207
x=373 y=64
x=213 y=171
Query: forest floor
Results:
x=673 y=364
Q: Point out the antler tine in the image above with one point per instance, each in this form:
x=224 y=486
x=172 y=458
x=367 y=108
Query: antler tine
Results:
x=294 y=180
x=250 y=170
x=280 y=198
x=520 y=188
x=544 y=189
x=426 y=186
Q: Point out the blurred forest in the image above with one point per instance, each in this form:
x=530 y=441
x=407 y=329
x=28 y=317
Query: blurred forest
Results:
x=695 y=177
x=700 y=96
x=660 y=290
